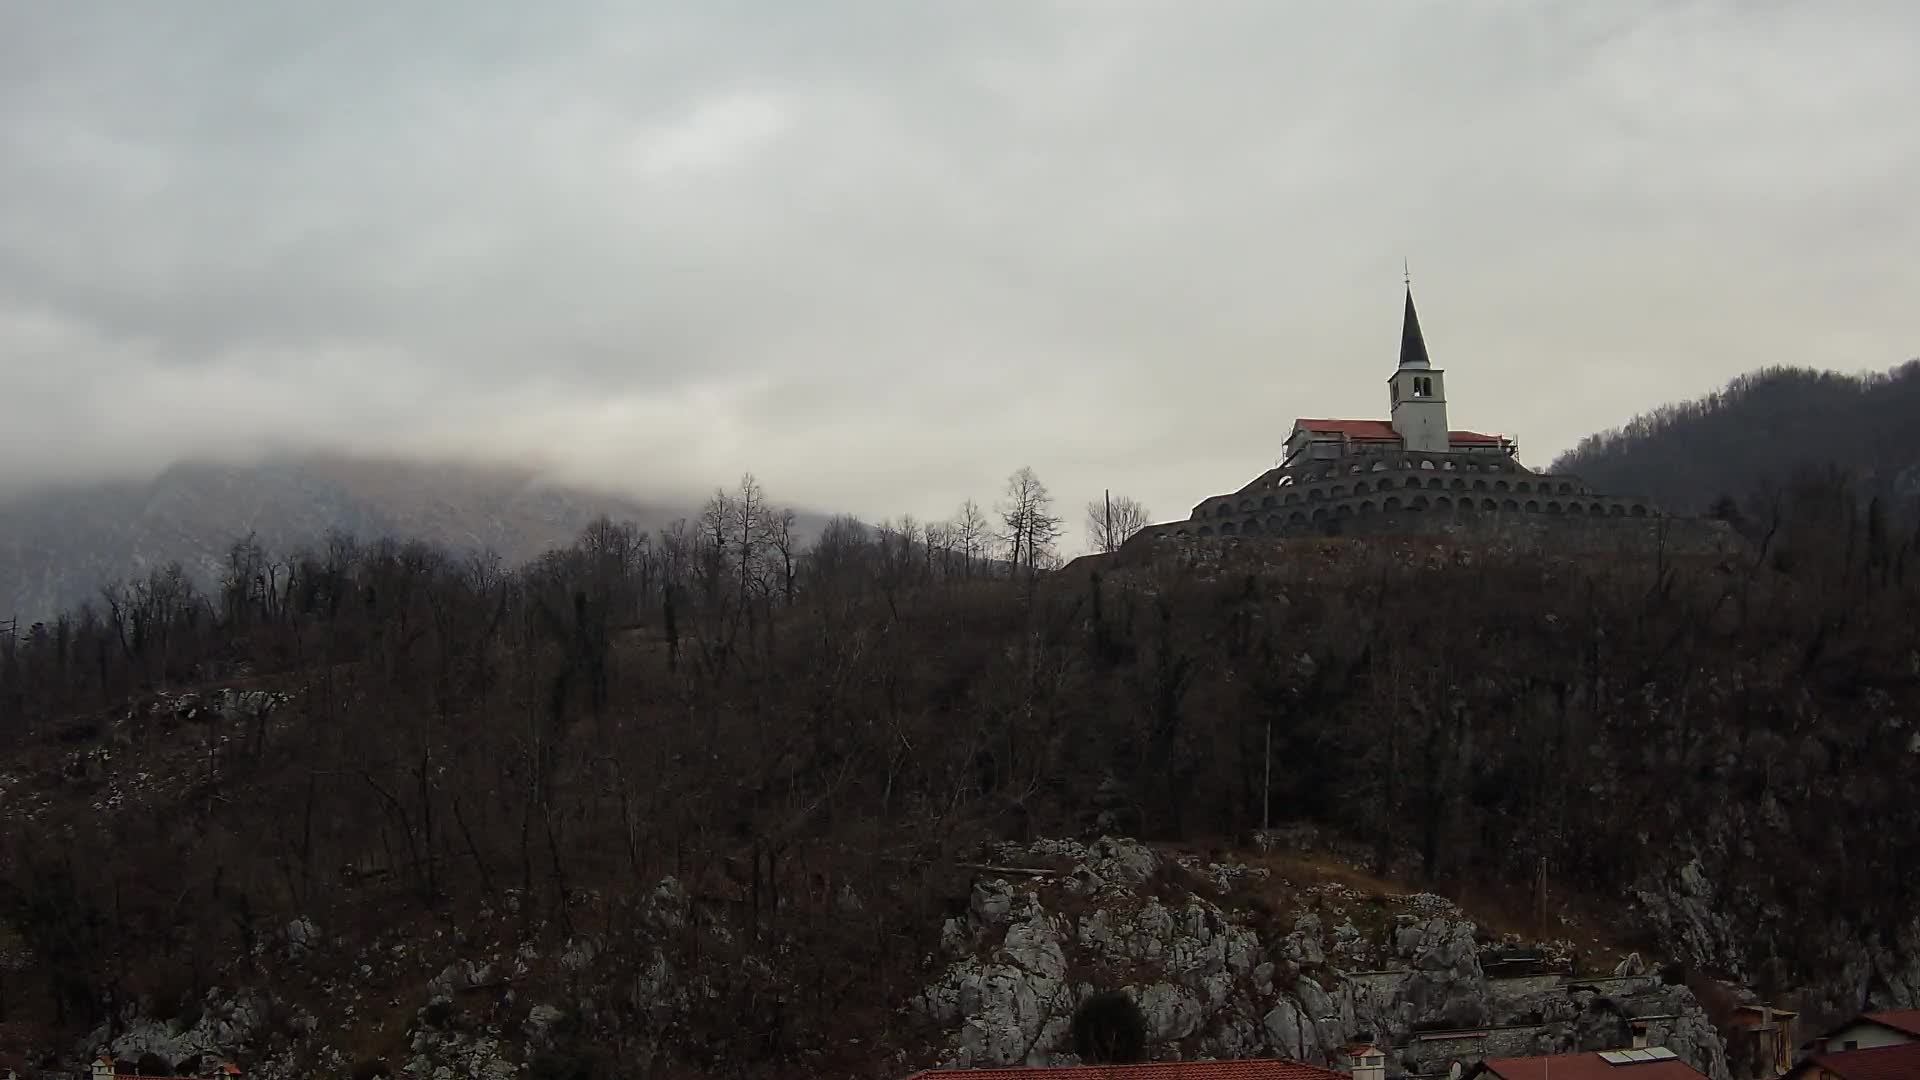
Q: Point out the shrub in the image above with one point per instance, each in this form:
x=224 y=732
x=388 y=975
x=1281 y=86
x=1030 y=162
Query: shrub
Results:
x=561 y=1065
x=1109 y=1029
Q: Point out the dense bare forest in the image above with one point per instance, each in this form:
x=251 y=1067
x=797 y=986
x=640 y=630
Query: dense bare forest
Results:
x=374 y=734
x=1744 y=441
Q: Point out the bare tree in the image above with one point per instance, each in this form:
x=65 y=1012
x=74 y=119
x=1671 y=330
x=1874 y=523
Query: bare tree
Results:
x=838 y=560
x=970 y=535
x=749 y=532
x=1111 y=521
x=785 y=542
x=713 y=541
x=939 y=547
x=1029 y=525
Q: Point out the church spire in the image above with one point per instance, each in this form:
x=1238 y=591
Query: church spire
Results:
x=1413 y=347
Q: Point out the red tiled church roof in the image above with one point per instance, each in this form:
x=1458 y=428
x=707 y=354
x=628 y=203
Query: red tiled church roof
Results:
x=1588 y=1066
x=1383 y=430
x=1352 y=429
x=1900 y=1062
x=1254 y=1069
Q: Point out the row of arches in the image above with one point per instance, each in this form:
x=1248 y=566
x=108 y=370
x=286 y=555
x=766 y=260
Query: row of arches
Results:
x=1403 y=462
x=1313 y=472
x=1468 y=506
x=1246 y=504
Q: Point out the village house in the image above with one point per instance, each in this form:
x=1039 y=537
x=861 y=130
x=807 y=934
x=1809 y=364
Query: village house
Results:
x=1646 y=1063
x=1898 y=1061
x=1369 y=1064
x=1892 y=1027
x=106 y=1068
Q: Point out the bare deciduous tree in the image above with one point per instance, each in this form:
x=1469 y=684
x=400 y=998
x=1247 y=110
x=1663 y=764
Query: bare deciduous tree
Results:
x=1029 y=525
x=970 y=534
x=785 y=541
x=1111 y=521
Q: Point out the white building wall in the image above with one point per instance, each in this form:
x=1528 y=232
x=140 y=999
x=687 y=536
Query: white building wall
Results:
x=1422 y=426
x=1867 y=1036
x=1420 y=419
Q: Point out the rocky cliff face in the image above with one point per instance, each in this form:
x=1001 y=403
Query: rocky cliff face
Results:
x=1701 y=920
x=1404 y=972
x=1224 y=960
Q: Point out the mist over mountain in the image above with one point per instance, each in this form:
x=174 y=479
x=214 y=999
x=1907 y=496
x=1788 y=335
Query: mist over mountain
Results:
x=1757 y=432
x=59 y=546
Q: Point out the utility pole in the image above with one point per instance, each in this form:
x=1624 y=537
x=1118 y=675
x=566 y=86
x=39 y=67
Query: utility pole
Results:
x=1540 y=896
x=1106 y=538
x=1266 y=783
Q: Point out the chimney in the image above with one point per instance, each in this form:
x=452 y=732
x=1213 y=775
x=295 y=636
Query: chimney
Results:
x=1367 y=1061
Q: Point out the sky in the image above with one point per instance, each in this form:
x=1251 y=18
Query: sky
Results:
x=883 y=252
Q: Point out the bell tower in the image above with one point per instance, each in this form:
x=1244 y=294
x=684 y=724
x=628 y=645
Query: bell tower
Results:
x=1419 y=390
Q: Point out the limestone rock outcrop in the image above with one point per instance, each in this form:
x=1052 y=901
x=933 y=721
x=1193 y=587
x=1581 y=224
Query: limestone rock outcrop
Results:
x=1212 y=981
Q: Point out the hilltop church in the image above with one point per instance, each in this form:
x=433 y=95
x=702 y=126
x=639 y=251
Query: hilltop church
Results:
x=1409 y=473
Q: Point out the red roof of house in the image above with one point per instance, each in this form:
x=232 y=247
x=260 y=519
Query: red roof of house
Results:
x=1252 y=1069
x=1382 y=430
x=1907 y=1020
x=1900 y=1062
x=227 y=1067
x=1589 y=1066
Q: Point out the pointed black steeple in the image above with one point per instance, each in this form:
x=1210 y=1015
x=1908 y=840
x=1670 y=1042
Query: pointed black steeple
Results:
x=1413 y=347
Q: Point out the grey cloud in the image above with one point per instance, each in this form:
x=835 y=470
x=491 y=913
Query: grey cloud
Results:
x=882 y=253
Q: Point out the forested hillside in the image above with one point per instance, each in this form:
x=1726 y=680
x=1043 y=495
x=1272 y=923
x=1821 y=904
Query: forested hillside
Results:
x=378 y=739
x=1748 y=440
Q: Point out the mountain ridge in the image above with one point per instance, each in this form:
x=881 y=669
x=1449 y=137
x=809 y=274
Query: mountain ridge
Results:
x=60 y=545
x=1750 y=438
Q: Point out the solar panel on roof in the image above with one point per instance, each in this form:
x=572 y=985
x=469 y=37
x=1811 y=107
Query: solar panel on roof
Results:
x=1614 y=1057
x=1660 y=1053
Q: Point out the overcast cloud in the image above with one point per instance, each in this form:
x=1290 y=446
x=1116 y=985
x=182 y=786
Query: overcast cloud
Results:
x=881 y=253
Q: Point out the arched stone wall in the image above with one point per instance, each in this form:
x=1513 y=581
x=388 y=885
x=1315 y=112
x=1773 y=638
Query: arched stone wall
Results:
x=1396 y=483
